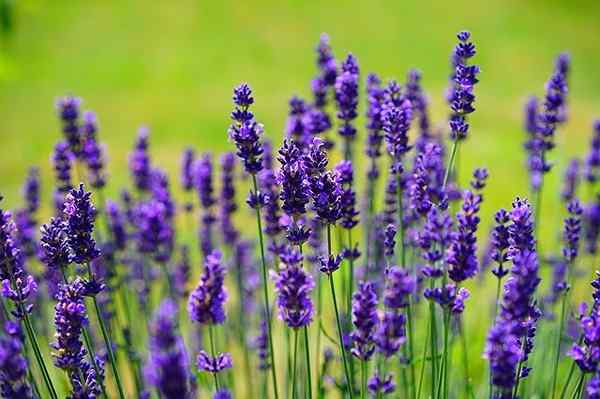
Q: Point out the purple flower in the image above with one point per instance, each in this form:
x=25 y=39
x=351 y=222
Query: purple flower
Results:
x=436 y=234
x=69 y=319
x=381 y=384
x=480 y=176
x=62 y=160
x=261 y=343
x=464 y=79
x=54 y=249
x=420 y=191
x=245 y=131
x=168 y=368
x=295 y=190
x=206 y=302
x=389 y=243
x=571 y=180
x=214 y=365
x=593 y=387
x=294 y=126
x=572 y=231
x=520 y=231
x=586 y=352
x=499 y=243
x=448 y=297
x=13 y=364
x=227 y=204
x=592 y=225
x=139 y=161
x=374 y=125
x=400 y=285
x=93 y=153
x=346 y=97
x=203 y=173
x=326 y=194
x=222 y=393
x=396 y=116
x=294 y=286
x=68 y=111
x=187 y=172
x=330 y=264
x=155 y=233
x=79 y=215
x=503 y=351
x=418 y=99
x=364 y=319
x=391 y=333
x=182 y=272
x=25 y=232
x=592 y=161
x=461 y=256
x=326 y=61
x=348 y=195
x=116 y=224
x=31 y=190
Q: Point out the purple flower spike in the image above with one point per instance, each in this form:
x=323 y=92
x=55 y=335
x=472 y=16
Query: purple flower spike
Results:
x=227 y=204
x=592 y=161
x=13 y=364
x=396 y=115
x=54 y=249
x=464 y=79
x=346 y=96
x=294 y=286
x=572 y=231
x=503 y=351
x=245 y=131
x=214 y=365
x=168 y=367
x=93 y=152
x=390 y=240
x=499 y=243
x=187 y=172
x=462 y=253
x=206 y=302
x=400 y=286
x=381 y=384
x=330 y=264
x=571 y=180
x=295 y=190
x=391 y=333
x=79 y=214
x=68 y=111
x=365 y=320
x=348 y=200
x=139 y=161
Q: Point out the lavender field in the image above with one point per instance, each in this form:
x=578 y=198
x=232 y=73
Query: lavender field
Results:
x=367 y=238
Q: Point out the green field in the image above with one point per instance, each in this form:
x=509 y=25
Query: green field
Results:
x=172 y=66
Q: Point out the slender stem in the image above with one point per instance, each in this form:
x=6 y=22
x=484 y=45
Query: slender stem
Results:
x=33 y=340
x=402 y=253
x=450 y=163
x=213 y=353
x=266 y=292
x=559 y=341
x=463 y=339
x=579 y=386
x=433 y=343
x=519 y=369
x=350 y=275
x=38 y=353
x=294 y=366
x=444 y=366
x=424 y=362
x=337 y=320
x=363 y=378
x=107 y=341
x=563 y=392
x=308 y=369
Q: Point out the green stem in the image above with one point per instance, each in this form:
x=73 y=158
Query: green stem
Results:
x=579 y=386
x=450 y=164
x=563 y=392
x=433 y=343
x=363 y=378
x=107 y=341
x=213 y=352
x=559 y=340
x=337 y=320
x=424 y=362
x=294 y=366
x=402 y=253
x=463 y=339
x=308 y=369
x=266 y=292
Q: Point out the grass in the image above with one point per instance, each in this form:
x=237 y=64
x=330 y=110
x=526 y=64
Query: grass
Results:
x=172 y=65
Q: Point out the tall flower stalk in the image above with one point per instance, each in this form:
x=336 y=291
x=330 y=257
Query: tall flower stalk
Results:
x=246 y=132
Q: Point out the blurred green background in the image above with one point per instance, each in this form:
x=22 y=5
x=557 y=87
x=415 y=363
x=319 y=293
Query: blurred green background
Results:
x=172 y=66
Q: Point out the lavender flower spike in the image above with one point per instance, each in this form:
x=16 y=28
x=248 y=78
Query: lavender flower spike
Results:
x=365 y=320
x=168 y=368
x=68 y=111
x=464 y=79
x=139 y=161
x=13 y=364
x=346 y=96
x=205 y=304
x=245 y=131
x=80 y=214
x=294 y=286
